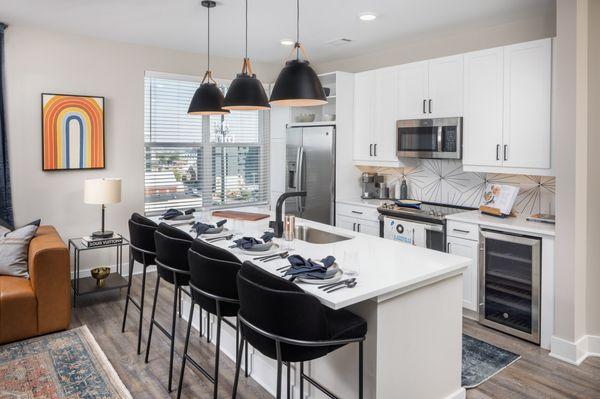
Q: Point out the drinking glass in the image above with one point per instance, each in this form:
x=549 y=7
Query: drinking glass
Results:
x=351 y=265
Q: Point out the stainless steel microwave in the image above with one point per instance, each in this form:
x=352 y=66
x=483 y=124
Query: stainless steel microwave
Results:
x=439 y=138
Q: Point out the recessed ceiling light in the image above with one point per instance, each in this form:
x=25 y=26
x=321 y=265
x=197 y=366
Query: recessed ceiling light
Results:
x=287 y=42
x=367 y=16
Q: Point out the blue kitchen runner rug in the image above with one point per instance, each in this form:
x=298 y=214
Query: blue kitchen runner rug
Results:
x=481 y=361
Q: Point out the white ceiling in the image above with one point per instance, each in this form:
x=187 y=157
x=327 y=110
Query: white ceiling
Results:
x=181 y=24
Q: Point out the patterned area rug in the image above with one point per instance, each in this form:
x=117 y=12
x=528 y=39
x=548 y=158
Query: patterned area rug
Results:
x=481 y=361
x=65 y=365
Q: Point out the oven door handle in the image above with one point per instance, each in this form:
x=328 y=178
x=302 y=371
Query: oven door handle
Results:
x=434 y=227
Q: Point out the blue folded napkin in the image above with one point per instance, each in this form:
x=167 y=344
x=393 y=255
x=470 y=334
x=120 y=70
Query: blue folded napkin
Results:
x=267 y=237
x=246 y=242
x=308 y=268
x=170 y=214
x=201 y=228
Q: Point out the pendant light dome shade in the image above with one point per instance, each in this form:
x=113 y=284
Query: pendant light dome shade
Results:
x=207 y=100
x=298 y=86
x=246 y=93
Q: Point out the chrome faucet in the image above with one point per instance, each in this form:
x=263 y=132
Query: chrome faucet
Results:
x=277 y=225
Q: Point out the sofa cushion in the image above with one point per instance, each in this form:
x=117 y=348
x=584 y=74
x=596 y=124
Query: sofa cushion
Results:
x=18 y=309
x=14 y=247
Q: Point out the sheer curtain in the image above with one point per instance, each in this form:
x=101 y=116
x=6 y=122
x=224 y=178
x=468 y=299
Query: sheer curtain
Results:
x=6 y=212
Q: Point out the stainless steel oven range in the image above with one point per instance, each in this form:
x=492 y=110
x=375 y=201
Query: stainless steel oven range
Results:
x=423 y=227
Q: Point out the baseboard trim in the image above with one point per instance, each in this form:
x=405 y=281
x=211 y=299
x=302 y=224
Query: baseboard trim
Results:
x=137 y=269
x=575 y=352
x=460 y=394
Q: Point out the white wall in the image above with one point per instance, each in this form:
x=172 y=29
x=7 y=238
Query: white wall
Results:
x=593 y=260
x=456 y=41
x=38 y=61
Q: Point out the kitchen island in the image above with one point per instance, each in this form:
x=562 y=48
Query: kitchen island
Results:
x=411 y=298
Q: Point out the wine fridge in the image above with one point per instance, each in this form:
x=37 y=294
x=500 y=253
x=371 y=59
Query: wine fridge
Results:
x=510 y=283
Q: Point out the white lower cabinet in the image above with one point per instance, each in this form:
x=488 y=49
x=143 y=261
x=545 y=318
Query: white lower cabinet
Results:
x=468 y=249
x=370 y=227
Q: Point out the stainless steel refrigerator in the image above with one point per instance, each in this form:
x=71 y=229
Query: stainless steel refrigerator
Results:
x=310 y=167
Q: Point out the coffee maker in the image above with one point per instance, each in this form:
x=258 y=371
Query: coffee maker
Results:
x=373 y=186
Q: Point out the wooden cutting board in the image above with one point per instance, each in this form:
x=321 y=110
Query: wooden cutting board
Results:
x=240 y=215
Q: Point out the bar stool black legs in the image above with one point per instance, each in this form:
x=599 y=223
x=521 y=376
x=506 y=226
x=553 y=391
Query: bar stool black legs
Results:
x=129 y=298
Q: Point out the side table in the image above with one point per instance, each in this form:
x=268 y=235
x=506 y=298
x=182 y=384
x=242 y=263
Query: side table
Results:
x=87 y=285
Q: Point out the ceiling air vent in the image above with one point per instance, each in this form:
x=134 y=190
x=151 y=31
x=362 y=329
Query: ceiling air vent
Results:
x=339 y=42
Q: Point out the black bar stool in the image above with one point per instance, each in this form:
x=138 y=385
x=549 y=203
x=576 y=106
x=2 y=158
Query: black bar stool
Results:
x=287 y=324
x=213 y=287
x=142 y=250
x=172 y=245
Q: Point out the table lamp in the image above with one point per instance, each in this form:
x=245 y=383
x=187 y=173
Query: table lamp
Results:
x=102 y=192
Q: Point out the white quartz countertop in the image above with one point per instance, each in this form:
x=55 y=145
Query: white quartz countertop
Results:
x=371 y=203
x=386 y=268
x=517 y=223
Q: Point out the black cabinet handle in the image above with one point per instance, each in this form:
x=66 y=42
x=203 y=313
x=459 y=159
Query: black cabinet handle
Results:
x=375 y=149
x=497 y=152
x=505 y=152
x=461 y=231
x=357 y=212
x=370 y=150
x=353 y=226
x=430 y=105
x=358 y=227
x=424 y=102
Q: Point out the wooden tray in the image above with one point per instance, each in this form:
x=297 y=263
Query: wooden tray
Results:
x=240 y=215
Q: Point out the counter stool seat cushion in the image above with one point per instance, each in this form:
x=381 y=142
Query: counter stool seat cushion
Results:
x=280 y=307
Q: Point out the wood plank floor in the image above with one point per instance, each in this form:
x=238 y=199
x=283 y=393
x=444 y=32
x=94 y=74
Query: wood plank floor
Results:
x=103 y=314
x=536 y=375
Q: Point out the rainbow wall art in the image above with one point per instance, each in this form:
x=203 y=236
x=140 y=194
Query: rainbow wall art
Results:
x=72 y=132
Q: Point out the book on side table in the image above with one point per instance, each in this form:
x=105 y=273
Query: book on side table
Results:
x=92 y=242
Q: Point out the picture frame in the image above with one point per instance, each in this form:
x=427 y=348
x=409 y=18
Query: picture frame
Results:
x=73 y=132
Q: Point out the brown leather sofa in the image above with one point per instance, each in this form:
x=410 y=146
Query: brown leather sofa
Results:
x=42 y=303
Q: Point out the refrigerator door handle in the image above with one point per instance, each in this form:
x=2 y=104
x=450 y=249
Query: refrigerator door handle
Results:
x=299 y=170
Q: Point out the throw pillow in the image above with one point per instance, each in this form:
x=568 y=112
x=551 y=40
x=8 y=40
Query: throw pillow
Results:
x=14 y=248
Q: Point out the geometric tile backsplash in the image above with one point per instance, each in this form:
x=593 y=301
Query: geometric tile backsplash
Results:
x=443 y=181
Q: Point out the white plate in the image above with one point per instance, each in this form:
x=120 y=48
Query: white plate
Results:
x=274 y=249
x=224 y=232
x=336 y=277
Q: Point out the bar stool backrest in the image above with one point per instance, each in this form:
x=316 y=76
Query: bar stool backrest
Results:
x=141 y=235
x=212 y=251
x=172 y=245
x=216 y=277
x=279 y=307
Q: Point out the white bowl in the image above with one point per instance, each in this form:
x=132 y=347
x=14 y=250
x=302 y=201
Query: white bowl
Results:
x=328 y=117
x=305 y=117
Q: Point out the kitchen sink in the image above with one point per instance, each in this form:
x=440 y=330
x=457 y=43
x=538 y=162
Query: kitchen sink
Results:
x=316 y=236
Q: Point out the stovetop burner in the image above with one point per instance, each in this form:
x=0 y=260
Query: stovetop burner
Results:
x=428 y=210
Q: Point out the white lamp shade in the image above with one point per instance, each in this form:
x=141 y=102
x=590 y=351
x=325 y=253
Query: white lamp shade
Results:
x=102 y=191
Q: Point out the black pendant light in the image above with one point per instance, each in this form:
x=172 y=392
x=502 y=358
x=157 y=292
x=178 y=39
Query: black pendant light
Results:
x=208 y=98
x=297 y=84
x=246 y=93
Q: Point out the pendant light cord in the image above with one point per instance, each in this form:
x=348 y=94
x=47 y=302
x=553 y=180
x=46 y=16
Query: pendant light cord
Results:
x=208 y=35
x=297 y=29
x=246 y=46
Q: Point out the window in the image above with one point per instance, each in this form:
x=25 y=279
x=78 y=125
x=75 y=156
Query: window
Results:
x=201 y=161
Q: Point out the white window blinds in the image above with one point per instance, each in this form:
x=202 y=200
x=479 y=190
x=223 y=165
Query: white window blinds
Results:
x=201 y=161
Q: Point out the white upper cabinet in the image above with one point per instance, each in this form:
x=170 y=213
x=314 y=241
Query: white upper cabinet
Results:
x=527 y=104
x=385 y=115
x=483 y=94
x=411 y=91
x=364 y=115
x=375 y=117
x=508 y=109
x=445 y=98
